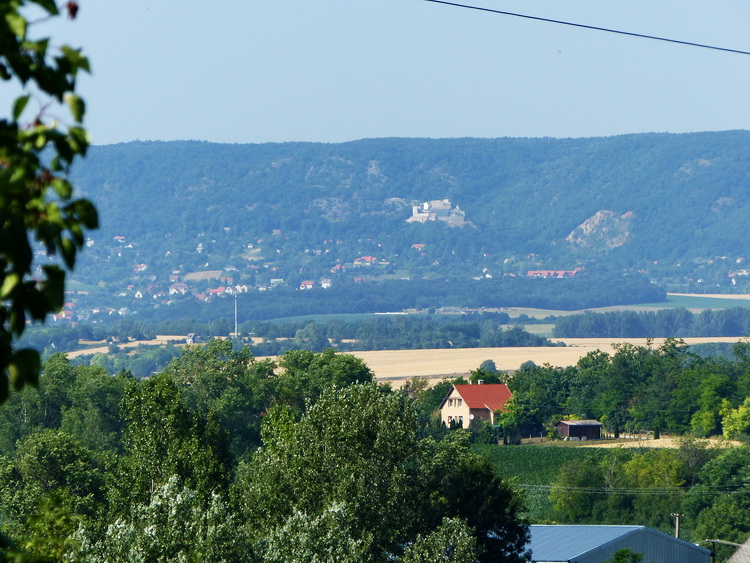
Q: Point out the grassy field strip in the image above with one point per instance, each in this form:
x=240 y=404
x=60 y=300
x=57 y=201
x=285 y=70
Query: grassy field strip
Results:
x=732 y=296
x=540 y=329
x=695 y=302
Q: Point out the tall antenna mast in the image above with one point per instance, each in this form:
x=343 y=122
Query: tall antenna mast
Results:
x=236 y=331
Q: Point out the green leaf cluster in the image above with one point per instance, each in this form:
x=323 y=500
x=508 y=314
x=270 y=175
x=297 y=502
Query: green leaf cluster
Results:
x=36 y=196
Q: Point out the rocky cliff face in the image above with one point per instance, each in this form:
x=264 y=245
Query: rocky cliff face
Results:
x=604 y=230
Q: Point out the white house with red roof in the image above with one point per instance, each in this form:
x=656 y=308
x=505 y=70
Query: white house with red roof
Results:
x=468 y=402
x=365 y=261
x=178 y=287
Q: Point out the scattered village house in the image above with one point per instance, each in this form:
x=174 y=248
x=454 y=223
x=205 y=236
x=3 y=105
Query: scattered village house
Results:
x=178 y=287
x=365 y=261
x=465 y=403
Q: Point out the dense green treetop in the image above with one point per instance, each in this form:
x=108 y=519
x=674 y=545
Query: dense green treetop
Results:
x=359 y=447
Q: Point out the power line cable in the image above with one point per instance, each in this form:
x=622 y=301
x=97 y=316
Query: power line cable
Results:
x=592 y=27
x=632 y=490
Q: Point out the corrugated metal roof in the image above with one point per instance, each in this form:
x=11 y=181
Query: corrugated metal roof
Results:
x=581 y=422
x=563 y=543
x=593 y=544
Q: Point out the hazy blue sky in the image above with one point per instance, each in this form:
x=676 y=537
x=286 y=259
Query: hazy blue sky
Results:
x=336 y=70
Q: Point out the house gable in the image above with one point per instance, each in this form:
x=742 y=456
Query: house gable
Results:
x=465 y=403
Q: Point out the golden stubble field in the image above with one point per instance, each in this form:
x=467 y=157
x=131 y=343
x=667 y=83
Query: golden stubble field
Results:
x=397 y=366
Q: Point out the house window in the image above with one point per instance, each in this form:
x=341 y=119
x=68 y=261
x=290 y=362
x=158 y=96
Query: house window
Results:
x=459 y=401
x=461 y=420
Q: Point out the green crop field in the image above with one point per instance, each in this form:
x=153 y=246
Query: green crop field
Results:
x=701 y=302
x=682 y=301
x=530 y=466
x=540 y=329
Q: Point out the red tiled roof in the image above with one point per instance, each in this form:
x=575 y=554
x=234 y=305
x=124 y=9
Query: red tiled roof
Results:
x=492 y=396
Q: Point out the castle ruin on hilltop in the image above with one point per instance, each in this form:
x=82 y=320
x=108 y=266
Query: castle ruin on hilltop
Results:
x=438 y=210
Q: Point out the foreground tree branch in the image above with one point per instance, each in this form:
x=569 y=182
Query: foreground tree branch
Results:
x=36 y=196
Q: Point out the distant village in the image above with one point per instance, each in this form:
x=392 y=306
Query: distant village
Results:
x=315 y=267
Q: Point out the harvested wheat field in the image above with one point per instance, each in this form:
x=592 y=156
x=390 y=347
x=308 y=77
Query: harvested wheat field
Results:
x=160 y=340
x=397 y=366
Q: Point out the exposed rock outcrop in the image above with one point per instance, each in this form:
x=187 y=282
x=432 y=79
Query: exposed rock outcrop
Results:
x=605 y=230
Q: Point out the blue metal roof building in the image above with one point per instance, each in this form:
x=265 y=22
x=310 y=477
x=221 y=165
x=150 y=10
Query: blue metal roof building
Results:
x=594 y=544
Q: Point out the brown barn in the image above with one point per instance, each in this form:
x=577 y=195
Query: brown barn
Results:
x=580 y=429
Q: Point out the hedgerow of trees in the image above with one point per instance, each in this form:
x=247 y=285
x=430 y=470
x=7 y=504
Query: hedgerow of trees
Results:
x=664 y=323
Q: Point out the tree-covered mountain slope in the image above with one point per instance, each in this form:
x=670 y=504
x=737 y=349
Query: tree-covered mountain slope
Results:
x=688 y=194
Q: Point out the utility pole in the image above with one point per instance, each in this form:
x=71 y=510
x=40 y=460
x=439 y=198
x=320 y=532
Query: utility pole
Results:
x=236 y=330
x=677 y=517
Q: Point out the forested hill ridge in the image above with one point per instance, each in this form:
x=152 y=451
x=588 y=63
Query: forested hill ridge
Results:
x=672 y=207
